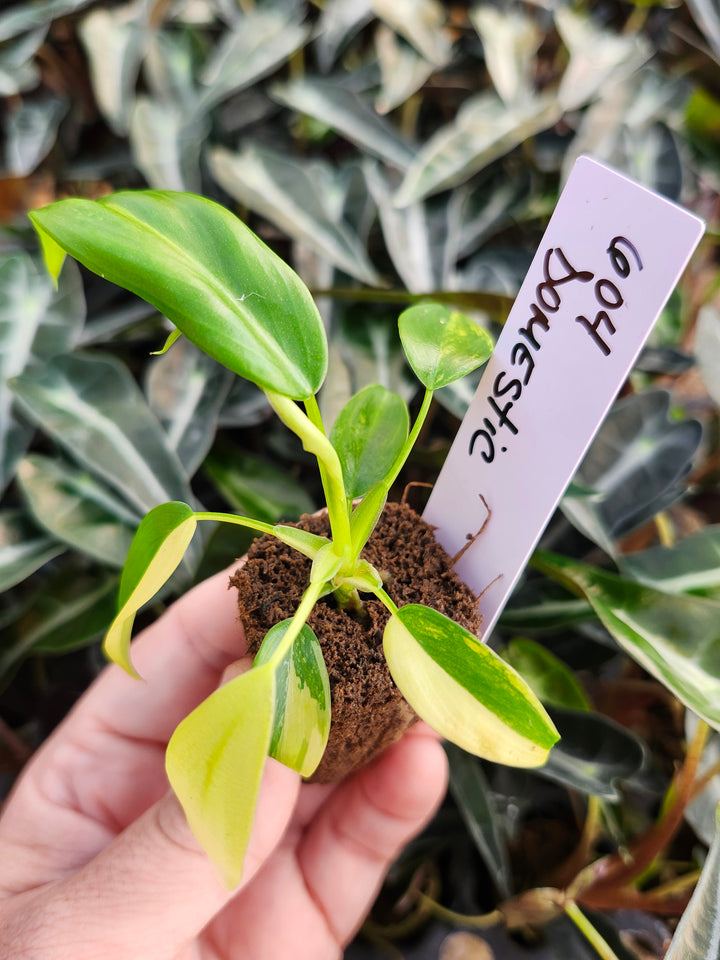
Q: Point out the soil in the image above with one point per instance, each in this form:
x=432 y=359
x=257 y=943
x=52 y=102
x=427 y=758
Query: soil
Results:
x=368 y=711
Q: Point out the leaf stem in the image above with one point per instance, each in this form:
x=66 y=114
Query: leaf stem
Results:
x=314 y=441
x=258 y=525
x=410 y=442
x=381 y=489
x=386 y=600
x=598 y=943
x=309 y=599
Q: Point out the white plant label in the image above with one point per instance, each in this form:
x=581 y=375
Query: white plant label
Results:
x=609 y=259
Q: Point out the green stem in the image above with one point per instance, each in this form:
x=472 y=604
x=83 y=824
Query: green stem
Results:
x=410 y=442
x=314 y=441
x=258 y=525
x=601 y=947
x=367 y=518
x=386 y=600
x=315 y=417
x=309 y=599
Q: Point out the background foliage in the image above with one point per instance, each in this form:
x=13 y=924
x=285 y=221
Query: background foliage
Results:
x=388 y=150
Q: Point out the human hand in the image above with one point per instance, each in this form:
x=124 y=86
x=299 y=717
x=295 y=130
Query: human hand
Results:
x=97 y=861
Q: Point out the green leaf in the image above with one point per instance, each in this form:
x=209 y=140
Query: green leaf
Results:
x=697 y=935
x=18 y=70
x=308 y=544
x=368 y=435
x=115 y=43
x=77 y=509
x=403 y=71
x=690 y=566
x=70 y=610
x=326 y=564
x=23 y=548
x=442 y=344
x=510 y=40
x=635 y=467
x=30 y=133
x=483 y=130
x=593 y=754
x=166 y=141
x=215 y=761
x=304 y=199
x=597 y=56
x=256 y=488
x=260 y=42
x=421 y=23
x=301 y=724
x=464 y=690
x=349 y=115
x=36 y=324
x=207 y=273
x=158 y=547
x=471 y=792
x=29 y=15
x=551 y=681
x=186 y=390
x=676 y=638
x=92 y=406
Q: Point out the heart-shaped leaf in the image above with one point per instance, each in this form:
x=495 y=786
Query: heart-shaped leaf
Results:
x=464 y=690
x=301 y=723
x=215 y=761
x=206 y=272
x=442 y=344
x=368 y=435
x=157 y=548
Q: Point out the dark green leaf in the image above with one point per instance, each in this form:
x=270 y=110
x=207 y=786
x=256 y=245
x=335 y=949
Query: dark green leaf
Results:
x=77 y=509
x=550 y=679
x=186 y=390
x=471 y=792
x=368 y=435
x=70 y=610
x=349 y=115
x=207 y=273
x=36 y=323
x=690 y=566
x=92 y=406
x=634 y=466
x=303 y=199
x=675 y=637
x=23 y=548
x=256 y=488
x=593 y=753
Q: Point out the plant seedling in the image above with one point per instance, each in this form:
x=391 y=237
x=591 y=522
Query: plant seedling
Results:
x=235 y=299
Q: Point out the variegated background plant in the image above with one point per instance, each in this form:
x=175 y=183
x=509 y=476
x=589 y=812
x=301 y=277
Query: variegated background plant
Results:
x=388 y=150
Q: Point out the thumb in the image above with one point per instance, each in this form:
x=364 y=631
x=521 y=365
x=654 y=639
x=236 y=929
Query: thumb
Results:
x=152 y=891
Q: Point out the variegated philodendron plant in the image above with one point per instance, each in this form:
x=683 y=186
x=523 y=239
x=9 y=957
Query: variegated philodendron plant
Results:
x=235 y=299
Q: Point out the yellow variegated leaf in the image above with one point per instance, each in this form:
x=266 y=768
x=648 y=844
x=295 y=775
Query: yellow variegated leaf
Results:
x=215 y=761
x=464 y=690
x=157 y=548
x=301 y=724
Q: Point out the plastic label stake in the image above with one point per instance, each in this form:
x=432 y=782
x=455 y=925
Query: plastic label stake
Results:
x=609 y=259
